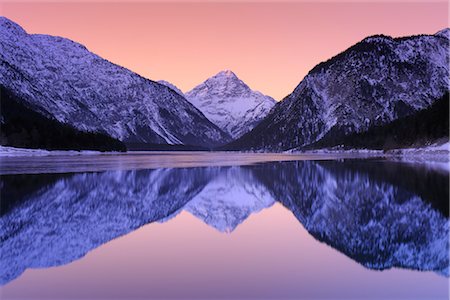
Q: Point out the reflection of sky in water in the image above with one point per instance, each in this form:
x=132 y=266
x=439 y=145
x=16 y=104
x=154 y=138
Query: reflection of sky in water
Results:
x=269 y=255
x=365 y=210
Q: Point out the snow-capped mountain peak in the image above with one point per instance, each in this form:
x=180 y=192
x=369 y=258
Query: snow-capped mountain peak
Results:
x=230 y=103
x=226 y=75
x=224 y=83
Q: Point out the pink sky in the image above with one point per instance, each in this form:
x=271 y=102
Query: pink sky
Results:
x=271 y=46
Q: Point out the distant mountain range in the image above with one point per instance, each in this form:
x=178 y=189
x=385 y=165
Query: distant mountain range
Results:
x=371 y=84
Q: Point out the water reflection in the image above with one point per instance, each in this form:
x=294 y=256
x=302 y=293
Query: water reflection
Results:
x=380 y=214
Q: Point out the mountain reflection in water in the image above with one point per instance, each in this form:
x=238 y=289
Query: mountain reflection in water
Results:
x=380 y=214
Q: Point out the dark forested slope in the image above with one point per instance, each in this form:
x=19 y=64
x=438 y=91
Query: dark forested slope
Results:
x=20 y=126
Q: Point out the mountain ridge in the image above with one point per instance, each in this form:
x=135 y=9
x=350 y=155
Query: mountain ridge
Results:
x=171 y=86
x=62 y=79
x=373 y=82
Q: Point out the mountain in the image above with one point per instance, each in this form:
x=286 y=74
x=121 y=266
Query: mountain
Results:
x=61 y=79
x=230 y=104
x=374 y=82
x=171 y=86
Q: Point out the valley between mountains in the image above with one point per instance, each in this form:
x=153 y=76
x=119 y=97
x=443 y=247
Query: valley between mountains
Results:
x=381 y=93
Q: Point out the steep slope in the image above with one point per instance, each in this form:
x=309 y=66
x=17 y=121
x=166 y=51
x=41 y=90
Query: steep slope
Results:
x=424 y=127
x=230 y=104
x=22 y=127
x=62 y=79
x=374 y=82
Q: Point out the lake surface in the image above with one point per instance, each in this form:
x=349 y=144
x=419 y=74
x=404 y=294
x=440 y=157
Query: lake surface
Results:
x=228 y=226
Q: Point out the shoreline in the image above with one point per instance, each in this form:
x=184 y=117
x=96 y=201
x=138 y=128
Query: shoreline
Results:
x=26 y=161
x=431 y=150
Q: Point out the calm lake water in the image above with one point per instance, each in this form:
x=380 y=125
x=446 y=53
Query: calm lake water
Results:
x=228 y=226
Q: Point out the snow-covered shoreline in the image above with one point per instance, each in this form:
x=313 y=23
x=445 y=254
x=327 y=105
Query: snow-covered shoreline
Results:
x=435 y=151
x=438 y=148
x=12 y=151
x=34 y=161
x=435 y=155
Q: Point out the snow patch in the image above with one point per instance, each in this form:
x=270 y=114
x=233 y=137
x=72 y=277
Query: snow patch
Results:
x=12 y=151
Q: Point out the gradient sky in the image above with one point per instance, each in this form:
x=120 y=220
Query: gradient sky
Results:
x=269 y=45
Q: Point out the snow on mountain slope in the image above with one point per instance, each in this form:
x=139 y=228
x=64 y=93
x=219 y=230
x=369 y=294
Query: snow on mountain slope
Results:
x=230 y=104
x=374 y=82
x=62 y=79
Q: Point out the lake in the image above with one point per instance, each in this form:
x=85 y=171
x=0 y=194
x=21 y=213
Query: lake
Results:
x=229 y=226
